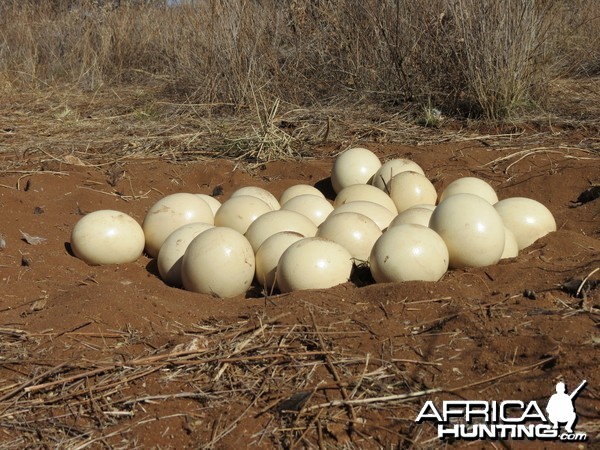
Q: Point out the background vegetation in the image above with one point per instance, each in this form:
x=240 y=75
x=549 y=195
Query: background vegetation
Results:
x=469 y=58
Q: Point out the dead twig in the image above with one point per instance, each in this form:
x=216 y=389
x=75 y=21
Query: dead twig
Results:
x=333 y=370
x=585 y=280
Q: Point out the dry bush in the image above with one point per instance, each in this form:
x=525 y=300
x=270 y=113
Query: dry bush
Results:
x=477 y=58
x=504 y=53
x=577 y=38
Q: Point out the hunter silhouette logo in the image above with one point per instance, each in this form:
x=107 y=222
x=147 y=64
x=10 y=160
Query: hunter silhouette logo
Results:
x=560 y=407
x=507 y=419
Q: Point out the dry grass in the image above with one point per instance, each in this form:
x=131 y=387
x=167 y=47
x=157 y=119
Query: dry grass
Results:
x=272 y=370
x=291 y=384
x=490 y=59
x=50 y=132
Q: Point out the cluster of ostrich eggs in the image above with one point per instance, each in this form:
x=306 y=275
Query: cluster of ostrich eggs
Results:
x=387 y=216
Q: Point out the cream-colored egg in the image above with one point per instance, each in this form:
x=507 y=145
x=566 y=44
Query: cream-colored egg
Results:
x=313 y=263
x=107 y=237
x=219 y=262
x=425 y=206
x=408 y=189
x=275 y=221
x=409 y=252
x=374 y=211
x=393 y=167
x=261 y=193
x=170 y=213
x=528 y=219
x=211 y=201
x=314 y=207
x=471 y=185
x=171 y=252
x=354 y=166
x=268 y=255
x=364 y=192
x=416 y=215
x=511 y=246
x=471 y=228
x=298 y=189
x=353 y=231
x=240 y=211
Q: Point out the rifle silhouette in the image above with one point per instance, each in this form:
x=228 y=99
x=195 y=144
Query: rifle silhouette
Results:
x=576 y=391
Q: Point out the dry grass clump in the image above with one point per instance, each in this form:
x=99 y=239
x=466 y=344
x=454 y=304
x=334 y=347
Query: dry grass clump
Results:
x=504 y=53
x=267 y=141
x=476 y=58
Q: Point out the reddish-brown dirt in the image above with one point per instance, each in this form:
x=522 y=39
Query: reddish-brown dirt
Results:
x=110 y=356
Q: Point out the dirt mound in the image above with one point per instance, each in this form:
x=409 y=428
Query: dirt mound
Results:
x=111 y=356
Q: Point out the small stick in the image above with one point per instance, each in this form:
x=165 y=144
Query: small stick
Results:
x=99 y=191
x=320 y=435
x=366 y=401
x=225 y=359
x=334 y=372
x=235 y=422
x=78 y=327
x=526 y=155
x=79 y=376
x=239 y=347
x=312 y=422
x=504 y=375
x=105 y=387
x=28 y=302
x=101 y=335
x=411 y=395
x=24 y=386
x=434 y=323
x=31 y=172
x=585 y=279
x=513 y=155
x=15 y=332
x=413 y=361
x=249 y=328
x=362 y=376
x=440 y=320
x=150 y=398
x=441 y=299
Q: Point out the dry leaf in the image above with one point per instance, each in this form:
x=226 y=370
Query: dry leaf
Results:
x=39 y=304
x=2 y=242
x=70 y=159
x=32 y=240
x=197 y=344
x=295 y=402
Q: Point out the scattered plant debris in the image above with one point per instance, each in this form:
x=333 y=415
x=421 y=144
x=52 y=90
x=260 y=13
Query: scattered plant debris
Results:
x=32 y=240
x=575 y=287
